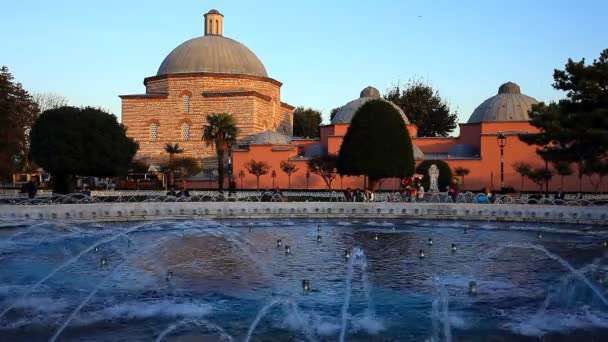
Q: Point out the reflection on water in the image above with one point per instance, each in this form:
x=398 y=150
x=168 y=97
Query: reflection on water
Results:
x=232 y=280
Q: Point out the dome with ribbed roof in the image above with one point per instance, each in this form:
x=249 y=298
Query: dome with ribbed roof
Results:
x=347 y=112
x=212 y=53
x=508 y=105
x=269 y=138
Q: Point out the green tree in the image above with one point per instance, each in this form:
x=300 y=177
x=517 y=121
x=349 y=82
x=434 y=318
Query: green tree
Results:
x=599 y=168
x=425 y=108
x=257 y=169
x=184 y=167
x=289 y=168
x=306 y=122
x=445 y=173
x=334 y=111
x=221 y=132
x=563 y=169
x=323 y=166
x=70 y=141
x=461 y=172
x=540 y=176
x=172 y=149
x=377 y=144
x=139 y=166
x=18 y=112
x=523 y=169
x=575 y=129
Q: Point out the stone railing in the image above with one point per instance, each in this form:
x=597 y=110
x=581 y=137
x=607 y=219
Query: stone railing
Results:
x=386 y=210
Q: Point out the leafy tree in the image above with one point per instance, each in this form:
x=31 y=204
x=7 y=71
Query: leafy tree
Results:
x=184 y=167
x=598 y=168
x=334 y=111
x=575 y=129
x=540 y=176
x=445 y=173
x=425 y=108
x=306 y=122
x=323 y=166
x=377 y=144
x=172 y=149
x=523 y=169
x=139 y=166
x=289 y=168
x=221 y=131
x=461 y=172
x=70 y=141
x=563 y=169
x=17 y=114
x=257 y=169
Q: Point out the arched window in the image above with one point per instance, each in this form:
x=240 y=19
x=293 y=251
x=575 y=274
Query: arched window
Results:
x=217 y=27
x=210 y=26
x=153 y=131
x=186 y=103
x=185 y=131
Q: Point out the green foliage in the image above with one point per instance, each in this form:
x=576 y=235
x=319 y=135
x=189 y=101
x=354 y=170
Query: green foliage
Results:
x=18 y=112
x=445 y=173
x=139 y=166
x=539 y=176
x=70 y=141
x=563 y=169
x=173 y=149
x=377 y=144
x=220 y=131
x=289 y=168
x=306 y=122
x=323 y=166
x=461 y=172
x=424 y=108
x=257 y=169
x=523 y=169
x=575 y=129
x=185 y=167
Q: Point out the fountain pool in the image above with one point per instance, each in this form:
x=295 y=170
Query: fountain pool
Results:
x=340 y=280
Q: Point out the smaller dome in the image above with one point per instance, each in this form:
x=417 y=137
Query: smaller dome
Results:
x=348 y=111
x=214 y=11
x=508 y=105
x=464 y=151
x=270 y=138
x=315 y=151
x=370 y=92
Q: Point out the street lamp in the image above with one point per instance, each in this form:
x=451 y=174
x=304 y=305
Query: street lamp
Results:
x=502 y=142
x=545 y=149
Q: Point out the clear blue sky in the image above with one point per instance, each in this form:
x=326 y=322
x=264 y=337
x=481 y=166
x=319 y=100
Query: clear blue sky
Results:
x=324 y=52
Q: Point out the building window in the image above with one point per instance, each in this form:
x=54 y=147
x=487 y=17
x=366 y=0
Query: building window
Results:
x=185 y=131
x=186 y=103
x=153 y=132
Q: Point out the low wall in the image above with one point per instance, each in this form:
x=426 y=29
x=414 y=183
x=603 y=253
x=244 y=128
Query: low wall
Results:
x=589 y=215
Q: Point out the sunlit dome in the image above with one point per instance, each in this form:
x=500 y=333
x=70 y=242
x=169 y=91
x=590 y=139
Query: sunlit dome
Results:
x=347 y=112
x=508 y=105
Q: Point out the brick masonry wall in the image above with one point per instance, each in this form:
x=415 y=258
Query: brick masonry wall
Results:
x=252 y=113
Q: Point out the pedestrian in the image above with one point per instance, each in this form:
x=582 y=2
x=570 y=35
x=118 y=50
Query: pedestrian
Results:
x=420 y=193
x=31 y=188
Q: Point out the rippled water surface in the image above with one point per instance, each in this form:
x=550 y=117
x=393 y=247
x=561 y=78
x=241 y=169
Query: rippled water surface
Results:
x=208 y=280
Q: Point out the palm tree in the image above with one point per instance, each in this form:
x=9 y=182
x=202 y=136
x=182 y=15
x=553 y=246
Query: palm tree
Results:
x=221 y=131
x=172 y=150
x=461 y=171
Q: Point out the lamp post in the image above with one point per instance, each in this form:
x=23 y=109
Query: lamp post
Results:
x=545 y=149
x=502 y=142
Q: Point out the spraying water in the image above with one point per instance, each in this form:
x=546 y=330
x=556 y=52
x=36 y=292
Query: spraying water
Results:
x=223 y=335
x=293 y=306
x=101 y=284
x=440 y=312
x=67 y=263
x=357 y=259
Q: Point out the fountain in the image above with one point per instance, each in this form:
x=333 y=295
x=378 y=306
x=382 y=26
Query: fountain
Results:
x=196 y=279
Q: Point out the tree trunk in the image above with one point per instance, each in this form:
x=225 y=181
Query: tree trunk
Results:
x=289 y=181
x=563 y=190
x=522 y=183
x=220 y=170
x=257 y=182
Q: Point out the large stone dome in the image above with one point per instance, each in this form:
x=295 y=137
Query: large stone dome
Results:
x=212 y=53
x=508 y=105
x=347 y=112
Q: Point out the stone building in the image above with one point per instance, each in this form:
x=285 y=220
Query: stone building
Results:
x=204 y=75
